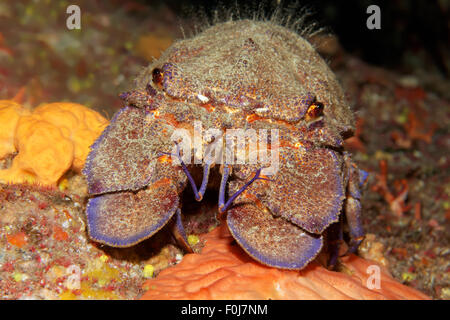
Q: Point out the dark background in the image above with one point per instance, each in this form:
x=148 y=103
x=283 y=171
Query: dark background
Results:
x=412 y=26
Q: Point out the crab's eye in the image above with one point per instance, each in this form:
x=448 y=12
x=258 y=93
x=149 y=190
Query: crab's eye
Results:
x=315 y=111
x=157 y=76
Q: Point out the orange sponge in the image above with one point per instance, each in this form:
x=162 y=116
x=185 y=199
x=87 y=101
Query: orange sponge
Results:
x=53 y=138
x=10 y=112
x=223 y=271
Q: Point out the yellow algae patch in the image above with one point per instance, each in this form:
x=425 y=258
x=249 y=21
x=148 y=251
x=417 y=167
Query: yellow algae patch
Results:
x=63 y=184
x=193 y=239
x=18 y=276
x=103 y=258
x=101 y=272
x=148 y=271
x=86 y=291
x=97 y=281
x=52 y=139
x=67 y=295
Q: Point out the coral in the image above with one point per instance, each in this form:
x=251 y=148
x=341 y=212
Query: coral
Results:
x=52 y=139
x=44 y=252
x=223 y=271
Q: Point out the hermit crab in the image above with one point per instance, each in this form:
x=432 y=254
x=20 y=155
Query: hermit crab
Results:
x=255 y=104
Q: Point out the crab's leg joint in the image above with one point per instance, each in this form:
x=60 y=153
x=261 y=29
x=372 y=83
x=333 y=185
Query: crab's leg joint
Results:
x=179 y=232
x=223 y=184
x=205 y=178
x=335 y=239
x=223 y=206
x=353 y=206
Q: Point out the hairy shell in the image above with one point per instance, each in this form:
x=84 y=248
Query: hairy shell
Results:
x=248 y=75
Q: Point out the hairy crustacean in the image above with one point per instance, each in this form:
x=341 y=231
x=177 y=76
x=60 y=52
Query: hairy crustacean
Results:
x=234 y=75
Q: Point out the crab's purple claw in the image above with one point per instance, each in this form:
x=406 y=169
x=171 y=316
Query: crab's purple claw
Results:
x=124 y=156
x=307 y=190
x=125 y=218
x=272 y=241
